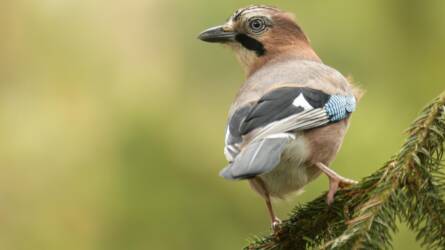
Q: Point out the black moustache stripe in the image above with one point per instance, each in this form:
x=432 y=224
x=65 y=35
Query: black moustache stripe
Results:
x=251 y=44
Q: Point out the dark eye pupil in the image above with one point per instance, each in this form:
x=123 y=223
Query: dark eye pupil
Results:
x=257 y=25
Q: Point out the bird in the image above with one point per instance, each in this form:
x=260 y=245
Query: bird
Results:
x=289 y=118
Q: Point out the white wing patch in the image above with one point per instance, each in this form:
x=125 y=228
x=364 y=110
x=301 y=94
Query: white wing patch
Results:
x=230 y=151
x=226 y=139
x=300 y=101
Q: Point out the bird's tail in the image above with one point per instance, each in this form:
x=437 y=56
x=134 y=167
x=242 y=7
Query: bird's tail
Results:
x=258 y=157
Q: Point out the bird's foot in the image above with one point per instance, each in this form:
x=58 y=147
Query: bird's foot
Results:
x=276 y=225
x=335 y=181
x=334 y=184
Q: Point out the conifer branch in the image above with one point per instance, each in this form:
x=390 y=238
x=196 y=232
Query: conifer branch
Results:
x=410 y=186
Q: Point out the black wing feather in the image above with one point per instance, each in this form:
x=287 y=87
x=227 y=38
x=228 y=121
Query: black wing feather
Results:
x=277 y=105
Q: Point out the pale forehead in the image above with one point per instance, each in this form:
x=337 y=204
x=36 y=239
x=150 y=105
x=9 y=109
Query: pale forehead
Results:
x=252 y=11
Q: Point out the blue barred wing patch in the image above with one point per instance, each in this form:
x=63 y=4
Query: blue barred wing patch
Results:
x=339 y=107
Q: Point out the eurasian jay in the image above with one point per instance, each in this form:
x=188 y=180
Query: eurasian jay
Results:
x=288 y=120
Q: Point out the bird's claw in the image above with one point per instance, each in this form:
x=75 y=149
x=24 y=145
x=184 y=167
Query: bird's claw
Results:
x=334 y=184
x=276 y=225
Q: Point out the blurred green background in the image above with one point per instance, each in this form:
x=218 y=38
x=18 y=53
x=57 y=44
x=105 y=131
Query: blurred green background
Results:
x=112 y=115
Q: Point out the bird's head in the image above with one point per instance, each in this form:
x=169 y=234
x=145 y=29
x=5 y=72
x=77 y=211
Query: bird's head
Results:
x=261 y=33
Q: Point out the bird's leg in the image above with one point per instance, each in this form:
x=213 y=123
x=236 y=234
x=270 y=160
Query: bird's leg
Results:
x=274 y=220
x=335 y=180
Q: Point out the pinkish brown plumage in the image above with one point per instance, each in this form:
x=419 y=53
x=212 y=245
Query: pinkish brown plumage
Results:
x=288 y=120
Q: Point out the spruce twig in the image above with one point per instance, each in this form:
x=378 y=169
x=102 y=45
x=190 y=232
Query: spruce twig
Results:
x=410 y=186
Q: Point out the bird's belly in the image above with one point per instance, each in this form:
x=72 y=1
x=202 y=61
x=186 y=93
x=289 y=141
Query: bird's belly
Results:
x=293 y=171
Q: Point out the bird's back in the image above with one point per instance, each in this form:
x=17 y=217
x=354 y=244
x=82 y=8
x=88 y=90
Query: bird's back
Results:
x=291 y=72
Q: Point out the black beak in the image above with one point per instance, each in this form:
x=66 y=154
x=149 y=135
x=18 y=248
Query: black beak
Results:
x=217 y=35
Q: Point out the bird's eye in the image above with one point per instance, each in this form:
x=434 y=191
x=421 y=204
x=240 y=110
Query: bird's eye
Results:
x=257 y=25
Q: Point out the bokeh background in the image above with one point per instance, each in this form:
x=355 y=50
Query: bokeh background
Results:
x=112 y=115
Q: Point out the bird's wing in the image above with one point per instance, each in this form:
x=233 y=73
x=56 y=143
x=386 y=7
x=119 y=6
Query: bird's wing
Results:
x=271 y=122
